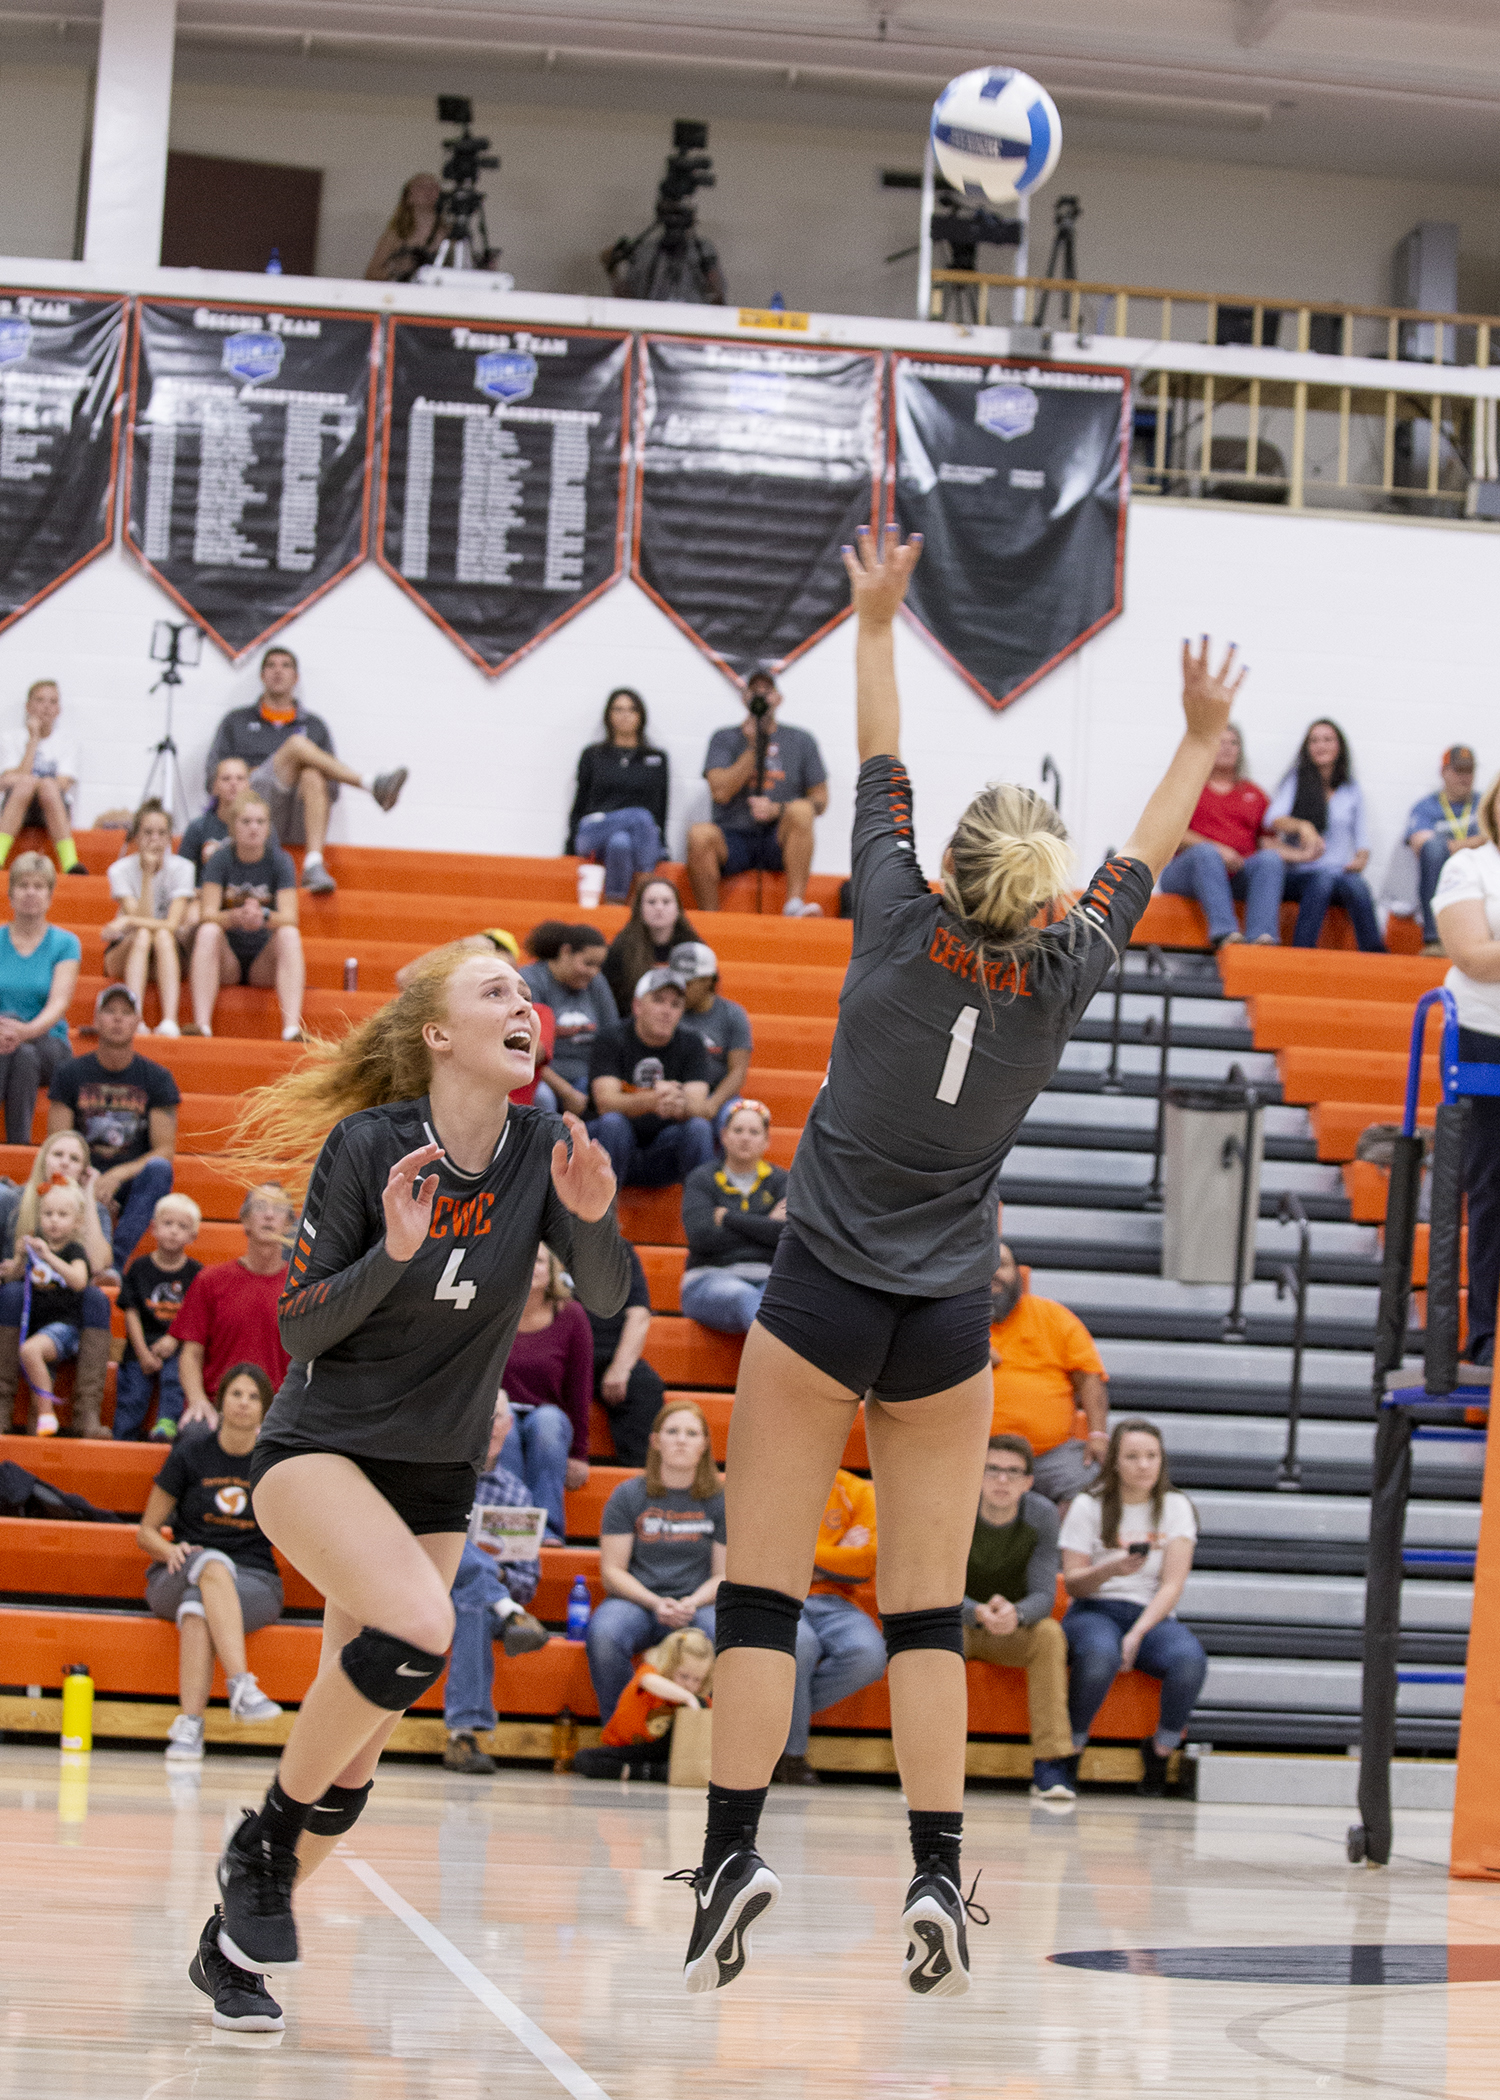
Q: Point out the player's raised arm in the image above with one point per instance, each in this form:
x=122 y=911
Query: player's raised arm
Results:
x=1207 y=697
x=879 y=571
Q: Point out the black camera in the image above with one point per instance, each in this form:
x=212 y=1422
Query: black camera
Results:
x=689 y=167
x=462 y=239
x=455 y=109
x=758 y=705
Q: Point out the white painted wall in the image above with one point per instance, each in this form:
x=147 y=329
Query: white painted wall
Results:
x=1386 y=626
x=43 y=114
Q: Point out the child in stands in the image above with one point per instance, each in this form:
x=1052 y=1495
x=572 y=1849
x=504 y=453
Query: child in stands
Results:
x=38 y=773
x=636 y=1741
x=59 y=1277
x=151 y=1298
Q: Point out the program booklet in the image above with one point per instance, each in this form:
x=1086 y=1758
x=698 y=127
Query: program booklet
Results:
x=507 y=1534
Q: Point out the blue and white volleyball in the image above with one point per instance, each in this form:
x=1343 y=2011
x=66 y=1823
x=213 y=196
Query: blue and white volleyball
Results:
x=996 y=133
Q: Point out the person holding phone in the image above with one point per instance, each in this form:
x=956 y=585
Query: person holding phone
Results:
x=1127 y=1549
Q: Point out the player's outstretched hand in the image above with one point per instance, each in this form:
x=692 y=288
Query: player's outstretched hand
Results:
x=879 y=571
x=1209 y=695
x=585 y=1180
x=408 y=1202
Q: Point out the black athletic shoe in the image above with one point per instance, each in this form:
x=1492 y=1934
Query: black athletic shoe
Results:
x=937 y=1940
x=741 y=1889
x=240 y=1996
x=258 y=1930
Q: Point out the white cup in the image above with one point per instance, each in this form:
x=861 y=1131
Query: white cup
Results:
x=590 y=884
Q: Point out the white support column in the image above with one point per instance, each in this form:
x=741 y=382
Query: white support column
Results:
x=132 y=112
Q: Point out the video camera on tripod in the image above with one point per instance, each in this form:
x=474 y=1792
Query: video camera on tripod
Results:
x=670 y=259
x=462 y=238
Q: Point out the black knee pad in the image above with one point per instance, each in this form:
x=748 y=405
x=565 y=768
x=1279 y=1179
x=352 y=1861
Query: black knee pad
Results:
x=388 y=1672
x=339 y=1810
x=941 y=1627
x=748 y=1617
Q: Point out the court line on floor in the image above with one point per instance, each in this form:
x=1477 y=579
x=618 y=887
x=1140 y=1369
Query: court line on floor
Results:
x=547 y=2053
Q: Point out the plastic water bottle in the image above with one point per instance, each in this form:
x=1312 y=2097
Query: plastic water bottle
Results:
x=580 y=1610
x=351 y=973
x=77 y=1708
x=273 y=267
x=778 y=303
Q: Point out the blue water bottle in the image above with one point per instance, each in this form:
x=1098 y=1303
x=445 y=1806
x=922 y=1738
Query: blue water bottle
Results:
x=580 y=1611
x=273 y=267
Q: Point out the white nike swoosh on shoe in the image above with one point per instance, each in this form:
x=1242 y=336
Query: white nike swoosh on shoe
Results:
x=705 y=1896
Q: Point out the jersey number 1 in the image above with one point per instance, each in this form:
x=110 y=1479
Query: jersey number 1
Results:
x=461 y=1295
x=960 y=1050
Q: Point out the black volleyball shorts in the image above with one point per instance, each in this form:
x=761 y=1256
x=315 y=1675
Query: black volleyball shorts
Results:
x=426 y=1498
x=896 y=1346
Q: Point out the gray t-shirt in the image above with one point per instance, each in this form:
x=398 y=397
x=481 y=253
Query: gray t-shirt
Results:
x=579 y=1017
x=674 y=1534
x=725 y=1026
x=794 y=766
x=936 y=1060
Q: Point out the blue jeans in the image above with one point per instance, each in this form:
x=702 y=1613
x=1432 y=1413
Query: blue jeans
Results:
x=671 y=1155
x=1096 y=1628
x=538 y=1449
x=617 y=1632
x=1312 y=890
x=133 y=1394
x=1431 y=862
x=717 y=1299
x=631 y=845
x=840 y=1650
x=1199 y=872
x=95 y=1305
x=138 y=1198
x=469 y=1694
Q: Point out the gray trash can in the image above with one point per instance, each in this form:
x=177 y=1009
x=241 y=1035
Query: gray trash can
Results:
x=1205 y=1143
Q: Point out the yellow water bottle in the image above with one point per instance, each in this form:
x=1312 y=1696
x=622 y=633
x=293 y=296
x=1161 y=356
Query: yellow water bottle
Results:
x=77 y=1708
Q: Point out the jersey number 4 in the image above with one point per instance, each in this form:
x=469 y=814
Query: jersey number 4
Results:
x=960 y=1050
x=459 y=1295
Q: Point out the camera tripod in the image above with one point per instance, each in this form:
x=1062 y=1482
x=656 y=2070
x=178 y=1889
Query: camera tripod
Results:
x=671 y=259
x=1063 y=261
x=164 y=774
x=461 y=239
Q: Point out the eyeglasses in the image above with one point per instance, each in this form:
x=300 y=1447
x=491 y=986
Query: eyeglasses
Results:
x=1005 y=1472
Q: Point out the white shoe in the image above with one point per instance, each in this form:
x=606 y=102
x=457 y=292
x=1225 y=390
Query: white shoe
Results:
x=185 y=1740
x=167 y=1028
x=799 y=908
x=247 y=1702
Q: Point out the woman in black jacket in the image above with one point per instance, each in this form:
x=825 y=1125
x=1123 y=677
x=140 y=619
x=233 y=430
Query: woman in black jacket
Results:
x=733 y=1216
x=620 y=807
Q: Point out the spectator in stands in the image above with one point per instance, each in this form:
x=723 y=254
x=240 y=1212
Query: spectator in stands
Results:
x=126 y=1107
x=1439 y=826
x=1227 y=854
x=620 y=805
x=151 y=1297
x=723 y=1024
x=247 y=912
x=1467 y=904
x=61 y=1156
x=734 y=1216
x=1045 y=1369
x=1127 y=1550
x=38 y=773
x=636 y=1741
x=625 y=1385
x=490 y=1597
x=38 y=971
x=494 y=940
x=1009 y=1593
x=1318 y=813
x=216 y=1575
x=566 y=976
x=655 y=927
x=292 y=766
x=768 y=784
x=840 y=1648
x=231 y=778
x=649 y=1079
x=152 y=888
x=411 y=234
x=549 y=1380
x=661 y=1550
x=61 y=1162
x=229 y=1313
x=49 y=1305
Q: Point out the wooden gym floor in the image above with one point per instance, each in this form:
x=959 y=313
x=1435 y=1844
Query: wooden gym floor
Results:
x=513 y=1937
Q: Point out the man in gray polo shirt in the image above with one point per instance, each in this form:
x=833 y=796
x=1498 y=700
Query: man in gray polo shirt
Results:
x=768 y=783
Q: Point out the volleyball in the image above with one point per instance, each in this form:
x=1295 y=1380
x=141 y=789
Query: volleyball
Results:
x=996 y=133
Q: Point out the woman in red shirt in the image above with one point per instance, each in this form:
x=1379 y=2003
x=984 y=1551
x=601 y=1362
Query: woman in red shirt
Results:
x=549 y=1380
x=1227 y=853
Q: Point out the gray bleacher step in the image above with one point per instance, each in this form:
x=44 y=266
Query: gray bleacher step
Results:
x=1214 y=1450
x=1130 y=1241
x=1322 y=1534
x=1339 y=1316
x=1144 y=1059
x=1289 y=1686
x=1119 y=1180
x=1127 y=1123
x=1208 y=1367
x=1228 y=1780
x=1314 y=1616
x=1287 y=1728
x=1140 y=1006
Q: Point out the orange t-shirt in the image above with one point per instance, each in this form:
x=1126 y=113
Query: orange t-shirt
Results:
x=640 y=1717
x=840 y=1570
x=1039 y=1344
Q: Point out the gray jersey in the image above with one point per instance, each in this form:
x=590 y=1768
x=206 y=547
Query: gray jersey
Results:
x=936 y=1059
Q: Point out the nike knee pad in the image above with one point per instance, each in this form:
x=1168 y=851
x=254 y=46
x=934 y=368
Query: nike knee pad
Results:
x=941 y=1627
x=748 y=1617
x=339 y=1810
x=388 y=1672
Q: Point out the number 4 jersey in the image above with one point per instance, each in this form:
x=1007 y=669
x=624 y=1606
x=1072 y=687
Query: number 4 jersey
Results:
x=936 y=1059
x=403 y=1360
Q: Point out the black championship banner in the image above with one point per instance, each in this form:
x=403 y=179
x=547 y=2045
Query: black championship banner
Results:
x=756 y=466
x=1015 y=475
x=252 y=433
x=503 y=494
x=60 y=366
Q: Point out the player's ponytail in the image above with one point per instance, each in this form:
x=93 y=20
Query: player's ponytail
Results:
x=1009 y=859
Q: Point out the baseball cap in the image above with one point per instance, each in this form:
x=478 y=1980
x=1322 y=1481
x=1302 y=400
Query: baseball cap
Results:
x=660 y=980
x=693 y=959
x=1461 y=758
x=116 y=991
